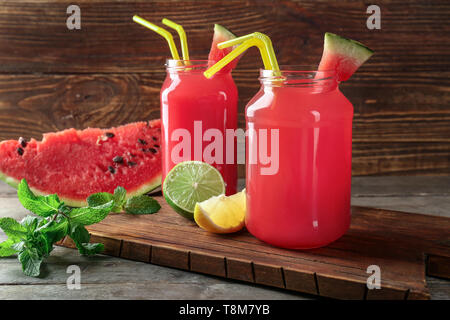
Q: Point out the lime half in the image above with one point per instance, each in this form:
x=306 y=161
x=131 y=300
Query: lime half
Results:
x=190 y=182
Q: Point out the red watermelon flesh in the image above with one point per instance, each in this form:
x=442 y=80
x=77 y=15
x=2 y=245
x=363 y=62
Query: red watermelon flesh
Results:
x=74 y=164
x=222 y=34
x=343 y=55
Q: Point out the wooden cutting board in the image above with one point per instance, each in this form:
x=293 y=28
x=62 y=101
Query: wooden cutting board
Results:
x=405 y=246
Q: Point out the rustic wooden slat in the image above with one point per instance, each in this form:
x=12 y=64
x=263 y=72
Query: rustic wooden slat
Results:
x=240 y=270
x=410 y=143
x=300 y=281
x=269 y=275
x=438 y=266
x=133 y=250
x=340 y=288
x=109 y=41
x=386 y=293
x=209 y=264
x=396 y=242
x=170 y=257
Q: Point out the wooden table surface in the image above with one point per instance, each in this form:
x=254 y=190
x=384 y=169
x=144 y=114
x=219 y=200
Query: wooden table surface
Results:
x=104 y=277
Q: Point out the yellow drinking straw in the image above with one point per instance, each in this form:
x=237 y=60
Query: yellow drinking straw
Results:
x=181 y=33
x=257 y=39
x=161 y=31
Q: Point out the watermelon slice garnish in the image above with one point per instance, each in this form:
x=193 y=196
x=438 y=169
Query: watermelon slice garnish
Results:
x=77 y=163
x=222 y=34
x=343 y=55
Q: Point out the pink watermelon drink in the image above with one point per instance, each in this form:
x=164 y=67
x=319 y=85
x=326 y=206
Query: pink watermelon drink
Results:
x=196 y=105
x=311 y=205
x=306 y=204
x=192 y=104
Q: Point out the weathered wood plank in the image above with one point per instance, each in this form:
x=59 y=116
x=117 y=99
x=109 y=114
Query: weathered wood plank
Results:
x=109 y=41
x=411 y=142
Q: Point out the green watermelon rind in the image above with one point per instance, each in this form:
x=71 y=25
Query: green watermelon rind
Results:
x=224 y=32
x=145 y=188
x=347 y=47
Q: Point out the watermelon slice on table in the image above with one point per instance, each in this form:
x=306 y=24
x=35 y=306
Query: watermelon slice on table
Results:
x=343 y=55
x=222 y=34
x=74 y=164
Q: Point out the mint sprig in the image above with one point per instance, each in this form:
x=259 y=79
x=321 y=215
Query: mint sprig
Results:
x=33 y=238
x=141 y=204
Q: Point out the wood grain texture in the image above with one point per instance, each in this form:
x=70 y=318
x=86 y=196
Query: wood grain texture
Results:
x=110 y=72
x=397 y=242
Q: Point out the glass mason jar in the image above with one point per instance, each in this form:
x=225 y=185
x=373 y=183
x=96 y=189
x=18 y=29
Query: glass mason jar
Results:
x=298 y=159
x=195 y=114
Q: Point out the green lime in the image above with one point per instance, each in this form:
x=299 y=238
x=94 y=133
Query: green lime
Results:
x=190 y=182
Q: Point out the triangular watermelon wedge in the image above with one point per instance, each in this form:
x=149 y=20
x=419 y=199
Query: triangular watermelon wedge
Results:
x=343 y=55
x=76 y=163
x=222 y=34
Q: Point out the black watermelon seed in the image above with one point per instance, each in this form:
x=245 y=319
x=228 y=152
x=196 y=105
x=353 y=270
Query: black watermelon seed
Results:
x=132 y=164
x=110 y=134
x=153 y=150
x=118 y=159
x=156 y=145
x=20 y=151
x=23 y=142
x=143 y=142
x=155 y=138
x=111 y=169
x=144 y=150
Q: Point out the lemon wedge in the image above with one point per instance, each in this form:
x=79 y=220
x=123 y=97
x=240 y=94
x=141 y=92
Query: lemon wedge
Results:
x=221 y=214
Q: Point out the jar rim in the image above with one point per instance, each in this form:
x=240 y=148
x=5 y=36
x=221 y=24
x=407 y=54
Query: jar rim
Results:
x=194 y=65
x=298 y=70
x=299 y=76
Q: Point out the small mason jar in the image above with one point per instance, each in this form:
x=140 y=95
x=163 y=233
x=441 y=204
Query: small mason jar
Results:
x=298 y=159
x=195 y=114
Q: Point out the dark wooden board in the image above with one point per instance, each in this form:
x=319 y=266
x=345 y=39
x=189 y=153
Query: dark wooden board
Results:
x=110 y=72
x=403 y=245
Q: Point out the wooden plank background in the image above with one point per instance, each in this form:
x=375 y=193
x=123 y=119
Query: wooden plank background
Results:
x=110 y=72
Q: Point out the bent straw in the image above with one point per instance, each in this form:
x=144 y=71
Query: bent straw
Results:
x=182 y=35
x=257 y=39
x=162 y=32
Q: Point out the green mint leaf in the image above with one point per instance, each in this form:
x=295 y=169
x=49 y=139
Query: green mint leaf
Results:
x=6 y=248
x=40 y=242
x=55 y=230
x=119 y=197
x=43 y=206
x=79 y=233
x=91 y=248
x=90 y=215
x=98 y=199
x=14 y=230
x=81 y=237
x=31 y=222
x=142 y=205
x=31 y=261
x=18 y=246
